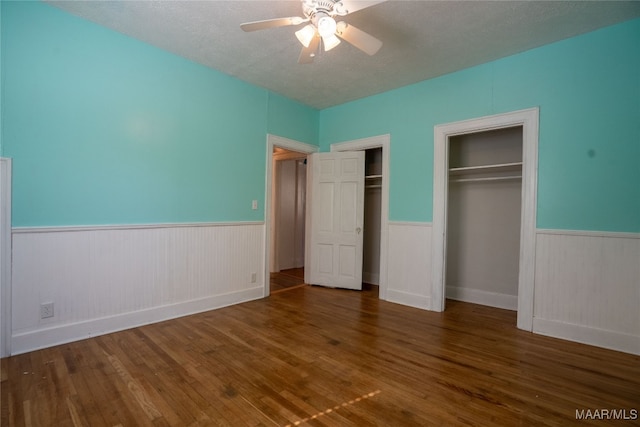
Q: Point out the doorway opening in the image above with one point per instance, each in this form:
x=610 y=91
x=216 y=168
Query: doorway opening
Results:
x=377 y=221
x=376 y=215
x=288 y=219
x=292 y=154
x=372 y=220
x=527 y=121
x=483 y=217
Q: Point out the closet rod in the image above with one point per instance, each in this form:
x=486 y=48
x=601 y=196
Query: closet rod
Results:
x=492 y=178
x=496 y=167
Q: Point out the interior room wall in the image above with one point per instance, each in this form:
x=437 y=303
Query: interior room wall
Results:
x=147 y=130
x=586 y=89
x=130 y=164
x=291 y=119
x=134 y=176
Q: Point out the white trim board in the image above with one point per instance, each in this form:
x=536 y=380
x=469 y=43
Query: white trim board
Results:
x=589 y=233
x=409 y=264
x=384 y=142
x=411 y=223
x=62 y=334
x=409 y=299
x=588 y=286
x=477 y=296
x=106 y=280
x=67 y=228
x=588 y=335
x=528 y=119
x=5 y=257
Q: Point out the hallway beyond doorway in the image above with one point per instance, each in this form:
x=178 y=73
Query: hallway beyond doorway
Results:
x=287 y=279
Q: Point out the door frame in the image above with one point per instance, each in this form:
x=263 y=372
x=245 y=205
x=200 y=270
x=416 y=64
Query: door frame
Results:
x=288 y=144
x=5 y=257
x=384 y=142
x=529 y=120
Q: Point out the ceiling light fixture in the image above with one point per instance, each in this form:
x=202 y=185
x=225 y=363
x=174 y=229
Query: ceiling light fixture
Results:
x=327 y=29
x=306 y=34
x=321 y=26
x=326 y=25
x=330 y=42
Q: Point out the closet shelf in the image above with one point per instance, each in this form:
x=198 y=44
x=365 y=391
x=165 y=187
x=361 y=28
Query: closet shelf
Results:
x=373 y=177
x=502 y=167
x=489 y=178
x=373 y=186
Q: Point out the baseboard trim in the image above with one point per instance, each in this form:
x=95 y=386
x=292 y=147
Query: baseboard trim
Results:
x=626 y=343
x=476 y=296
x=406 y=298
x=62 y=334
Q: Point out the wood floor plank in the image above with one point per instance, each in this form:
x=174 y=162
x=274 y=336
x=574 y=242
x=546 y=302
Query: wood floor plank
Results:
x=321 y=357
x=287 y=279
x=101 y=393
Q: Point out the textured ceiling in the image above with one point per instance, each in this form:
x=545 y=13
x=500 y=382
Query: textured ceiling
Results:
x=421 y=39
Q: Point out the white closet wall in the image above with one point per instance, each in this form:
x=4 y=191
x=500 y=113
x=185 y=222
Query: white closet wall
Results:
x=483 y=217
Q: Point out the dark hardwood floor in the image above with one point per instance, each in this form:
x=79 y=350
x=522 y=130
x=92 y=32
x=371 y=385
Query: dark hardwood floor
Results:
x=286 y=279
x=321 y=357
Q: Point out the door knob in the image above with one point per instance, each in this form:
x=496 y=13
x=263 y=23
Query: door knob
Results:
x=358 y=230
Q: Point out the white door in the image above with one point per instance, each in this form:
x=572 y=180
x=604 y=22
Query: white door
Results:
x=335 y=213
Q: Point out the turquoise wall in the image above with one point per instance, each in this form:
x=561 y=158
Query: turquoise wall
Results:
x=105 y=129
x=293 y=120
x=588 y=91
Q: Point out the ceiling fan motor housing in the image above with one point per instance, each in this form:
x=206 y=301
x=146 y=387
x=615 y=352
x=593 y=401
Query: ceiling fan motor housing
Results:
x=311 y=8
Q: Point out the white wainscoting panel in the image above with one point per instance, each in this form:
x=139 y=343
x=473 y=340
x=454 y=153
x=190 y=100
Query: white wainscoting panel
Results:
x=587 y=288
x=409 y=265
x=104 y=279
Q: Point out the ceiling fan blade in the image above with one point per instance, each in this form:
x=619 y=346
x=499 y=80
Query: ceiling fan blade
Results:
x=344 y=7
x=308 y=53
x=272 y=23
x=363 y=41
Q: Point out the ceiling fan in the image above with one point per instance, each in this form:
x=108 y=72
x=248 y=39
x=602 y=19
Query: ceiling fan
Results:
x=322 y=27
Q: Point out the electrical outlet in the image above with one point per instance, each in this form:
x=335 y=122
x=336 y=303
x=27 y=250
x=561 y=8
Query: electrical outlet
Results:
x=46 y=310
x=253 y=278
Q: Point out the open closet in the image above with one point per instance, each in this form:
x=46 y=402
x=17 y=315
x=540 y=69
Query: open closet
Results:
x=372 y=217
x=484 y=217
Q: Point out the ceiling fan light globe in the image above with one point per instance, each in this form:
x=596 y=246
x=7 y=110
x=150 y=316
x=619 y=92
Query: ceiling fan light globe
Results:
x=326 y=26
x=306 y=34
x=330 y=42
